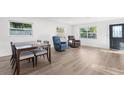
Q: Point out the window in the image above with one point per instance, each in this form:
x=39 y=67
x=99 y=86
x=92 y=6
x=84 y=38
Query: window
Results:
x=117 y=31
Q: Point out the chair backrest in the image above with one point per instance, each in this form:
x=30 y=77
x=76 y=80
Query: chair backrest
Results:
x=13 y=49
x=39 y=41
x=56 y=40
x=71 y=38
x=46 y=42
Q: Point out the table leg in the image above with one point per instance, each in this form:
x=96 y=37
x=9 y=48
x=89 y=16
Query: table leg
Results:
x=18 y=64
x=49 y=54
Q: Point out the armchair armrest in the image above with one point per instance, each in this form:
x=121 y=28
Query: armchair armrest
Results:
x=77 y=40
x=63 y=42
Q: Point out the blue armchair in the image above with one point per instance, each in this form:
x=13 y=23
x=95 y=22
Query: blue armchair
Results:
x=58 y=45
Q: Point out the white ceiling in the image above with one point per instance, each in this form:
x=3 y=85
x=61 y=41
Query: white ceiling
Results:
x=78 y=20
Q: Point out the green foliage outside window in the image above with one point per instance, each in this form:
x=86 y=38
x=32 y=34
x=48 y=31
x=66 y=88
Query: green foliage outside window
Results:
x=90 y=33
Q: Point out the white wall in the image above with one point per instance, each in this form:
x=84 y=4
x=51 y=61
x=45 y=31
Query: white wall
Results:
x=102 y=40
x=42 y=29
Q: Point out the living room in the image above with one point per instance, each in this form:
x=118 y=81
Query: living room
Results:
x=91 y=34
x=64 y=46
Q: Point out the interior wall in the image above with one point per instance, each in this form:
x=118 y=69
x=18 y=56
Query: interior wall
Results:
x=42 y=29
x=102 y=40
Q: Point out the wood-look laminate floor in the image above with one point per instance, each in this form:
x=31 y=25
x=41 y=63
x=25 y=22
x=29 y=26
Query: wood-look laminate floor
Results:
x=73 y=61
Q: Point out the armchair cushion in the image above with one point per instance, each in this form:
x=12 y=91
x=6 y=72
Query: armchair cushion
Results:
x=70 y=41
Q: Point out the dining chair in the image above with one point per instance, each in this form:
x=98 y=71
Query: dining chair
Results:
x=41 y=51
x=23 y=56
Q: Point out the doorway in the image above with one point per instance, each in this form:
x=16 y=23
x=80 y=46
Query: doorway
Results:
x=117 y=36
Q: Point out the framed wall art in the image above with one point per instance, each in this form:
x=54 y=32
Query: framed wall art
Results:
x=20 y=28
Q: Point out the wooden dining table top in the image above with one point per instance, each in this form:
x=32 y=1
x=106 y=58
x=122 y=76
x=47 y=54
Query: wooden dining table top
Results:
x=32 y=44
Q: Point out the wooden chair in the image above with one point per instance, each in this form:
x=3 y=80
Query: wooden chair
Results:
x=41 y=51
x=23 y=56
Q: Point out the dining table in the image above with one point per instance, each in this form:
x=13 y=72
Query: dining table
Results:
x=28 y=46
